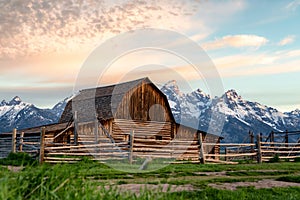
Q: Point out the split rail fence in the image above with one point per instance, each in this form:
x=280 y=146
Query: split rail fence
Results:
x=43 y=145
x=19 y=142
x=281 y=148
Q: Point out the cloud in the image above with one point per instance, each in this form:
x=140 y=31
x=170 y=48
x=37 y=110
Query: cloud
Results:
x=240 y=61
x=293 y=53
x=236 y=41
x=258 y=64
x=286 y=67
x=287 y=40
x=293 y=5
x=31 y=28
x=44 y=27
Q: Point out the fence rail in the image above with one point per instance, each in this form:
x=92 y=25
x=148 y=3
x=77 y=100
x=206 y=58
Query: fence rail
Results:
x=45 y=146
x=19 y=142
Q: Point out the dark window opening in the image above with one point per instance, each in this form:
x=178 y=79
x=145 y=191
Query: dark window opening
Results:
x=69 y=139
x=158 y=137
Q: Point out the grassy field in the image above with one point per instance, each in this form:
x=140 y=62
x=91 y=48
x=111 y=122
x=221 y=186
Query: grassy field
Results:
x=91 y=180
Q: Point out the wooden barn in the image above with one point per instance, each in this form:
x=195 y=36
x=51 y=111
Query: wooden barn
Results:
x=137 y=106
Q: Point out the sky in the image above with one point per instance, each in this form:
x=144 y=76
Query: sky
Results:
x=254 y=46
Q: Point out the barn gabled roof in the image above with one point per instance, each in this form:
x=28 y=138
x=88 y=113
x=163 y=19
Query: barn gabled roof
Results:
x=116 y=89
x=103 y=99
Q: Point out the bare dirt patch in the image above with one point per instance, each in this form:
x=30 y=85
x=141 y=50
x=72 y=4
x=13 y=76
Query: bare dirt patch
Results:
x=222 y=173
x=267 y=183
x=14 y=168
x=137 y=188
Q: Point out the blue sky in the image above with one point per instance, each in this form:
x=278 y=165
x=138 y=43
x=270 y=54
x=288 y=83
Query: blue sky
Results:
x=254 y=45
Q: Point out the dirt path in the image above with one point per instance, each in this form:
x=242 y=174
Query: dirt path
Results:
x=224 y=173
x=14 y=168
x=137 y=188
x=267 y=183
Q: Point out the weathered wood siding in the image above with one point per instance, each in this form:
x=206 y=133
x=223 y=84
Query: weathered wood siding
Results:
x=144 y=103
x=142 y=129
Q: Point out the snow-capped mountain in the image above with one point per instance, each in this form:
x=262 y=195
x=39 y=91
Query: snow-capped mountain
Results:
x=193 y=109
x=60 y=106
x=240 y=116
x=18 y=114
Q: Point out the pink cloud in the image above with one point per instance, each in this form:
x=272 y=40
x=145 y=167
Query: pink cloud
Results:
x=236 y=41
x=287 y=40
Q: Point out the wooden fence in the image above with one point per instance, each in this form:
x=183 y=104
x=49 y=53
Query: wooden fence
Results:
x=234 y=152
x=19 y=142
x=283 y=150
x=98 y=146
x=93 y=143
x=5 y=145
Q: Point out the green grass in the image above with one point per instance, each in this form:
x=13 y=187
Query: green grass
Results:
x=18 y=159
x=257 y=173
x=295 y=179
x=87 y=180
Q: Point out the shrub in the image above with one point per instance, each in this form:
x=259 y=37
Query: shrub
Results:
x=18 y=159
x=275 y=159
x=297 y=159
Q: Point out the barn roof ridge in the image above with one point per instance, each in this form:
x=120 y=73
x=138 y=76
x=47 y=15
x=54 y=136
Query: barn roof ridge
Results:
x=109 y=90
x=117 y=84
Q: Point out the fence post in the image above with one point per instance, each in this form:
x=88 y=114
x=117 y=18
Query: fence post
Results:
x=259 y=155
x=252 y=142
x=96 y=131
x=42 y=145
x=21 y=142
x=172 y=150
x=131 y=143
x=14 y=141
x=226 y=158
x=272 y=139
x=261 y=137
x=201 y=149
x=286 y=138
x=75 y=128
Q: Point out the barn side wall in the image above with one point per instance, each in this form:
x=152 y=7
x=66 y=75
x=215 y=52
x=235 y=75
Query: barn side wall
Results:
x=152 y=130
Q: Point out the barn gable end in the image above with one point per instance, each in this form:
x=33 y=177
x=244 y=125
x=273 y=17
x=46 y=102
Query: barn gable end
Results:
x=135 y=100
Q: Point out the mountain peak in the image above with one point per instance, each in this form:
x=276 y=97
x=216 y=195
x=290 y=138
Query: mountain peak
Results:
x=3 y=103
x=295 y=112
x=201 y=93
x=15 y=101
x=172 y=85
x=232 y=94
x=17 y=98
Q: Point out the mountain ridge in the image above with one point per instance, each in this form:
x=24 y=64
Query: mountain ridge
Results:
x=20 y=115
x=240 y=115
x=193 y=109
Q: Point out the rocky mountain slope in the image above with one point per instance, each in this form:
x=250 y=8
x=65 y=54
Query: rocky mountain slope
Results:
x=18 y=114
x=240 y=115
